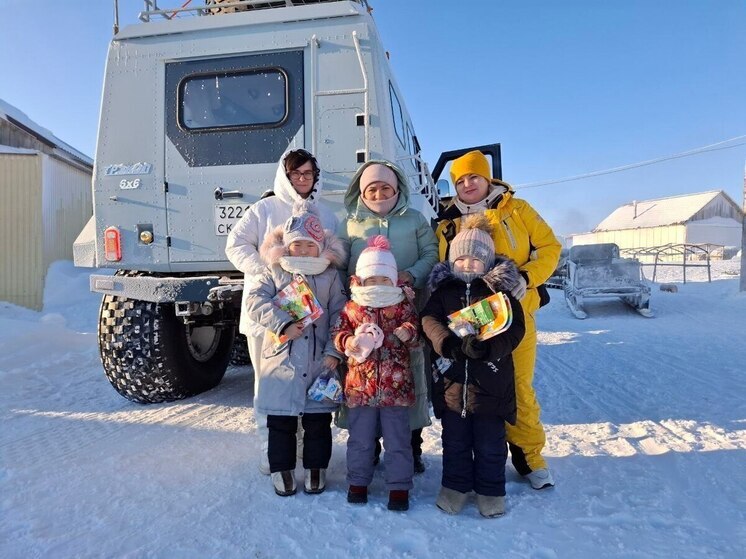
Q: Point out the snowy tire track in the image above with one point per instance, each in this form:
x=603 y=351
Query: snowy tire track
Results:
x=72 y=432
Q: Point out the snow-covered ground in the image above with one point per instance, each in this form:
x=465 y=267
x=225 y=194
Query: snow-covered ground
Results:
x=646 y=422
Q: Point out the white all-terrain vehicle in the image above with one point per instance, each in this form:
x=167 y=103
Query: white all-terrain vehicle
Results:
x=199 y=103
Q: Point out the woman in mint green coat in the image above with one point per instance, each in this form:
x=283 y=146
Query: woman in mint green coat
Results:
x=377 y=203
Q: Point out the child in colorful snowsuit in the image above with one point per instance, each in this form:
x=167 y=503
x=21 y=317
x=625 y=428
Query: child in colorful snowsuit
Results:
x=474 y=392
x=300 y=248
x=376 y=330
x=378 y=202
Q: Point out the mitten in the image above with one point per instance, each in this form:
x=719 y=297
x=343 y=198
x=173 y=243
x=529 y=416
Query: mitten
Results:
x=519 y=291
x=452 y=348
x=473 y=348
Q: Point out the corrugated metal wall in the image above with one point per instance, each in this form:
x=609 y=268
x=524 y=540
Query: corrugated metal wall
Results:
x=21 y=250
x=44 y=204
x=635 y=238
x=716 y=230
x=66 y=207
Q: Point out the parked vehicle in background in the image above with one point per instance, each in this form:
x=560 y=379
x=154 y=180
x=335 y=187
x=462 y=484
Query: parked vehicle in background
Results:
x=597 y=271
x=199 y=104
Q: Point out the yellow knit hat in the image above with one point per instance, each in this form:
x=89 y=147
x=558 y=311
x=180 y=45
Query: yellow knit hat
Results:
x=472 y=163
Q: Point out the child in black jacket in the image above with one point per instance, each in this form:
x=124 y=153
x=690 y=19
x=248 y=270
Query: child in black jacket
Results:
x=474 y=388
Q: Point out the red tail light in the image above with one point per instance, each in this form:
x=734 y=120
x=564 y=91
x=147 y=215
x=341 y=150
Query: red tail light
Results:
x=112 y=244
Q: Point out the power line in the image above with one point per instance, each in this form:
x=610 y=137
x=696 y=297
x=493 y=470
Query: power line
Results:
x=696 y=151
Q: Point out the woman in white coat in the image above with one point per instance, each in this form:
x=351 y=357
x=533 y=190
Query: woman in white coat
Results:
x=297 y=179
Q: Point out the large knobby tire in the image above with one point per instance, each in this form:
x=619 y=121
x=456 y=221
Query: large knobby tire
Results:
x=150 y=355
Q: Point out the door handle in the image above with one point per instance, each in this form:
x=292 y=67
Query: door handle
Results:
x=220 y=194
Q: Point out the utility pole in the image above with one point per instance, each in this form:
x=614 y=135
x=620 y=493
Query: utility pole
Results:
x=743 y=235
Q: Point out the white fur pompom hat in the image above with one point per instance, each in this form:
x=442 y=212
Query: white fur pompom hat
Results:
x=377 y=260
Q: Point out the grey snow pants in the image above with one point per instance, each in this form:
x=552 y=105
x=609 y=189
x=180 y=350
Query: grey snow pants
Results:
x=363 y=424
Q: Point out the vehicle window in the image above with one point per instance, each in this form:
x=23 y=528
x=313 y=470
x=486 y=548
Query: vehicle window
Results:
x=410 y=147
x=232 y=100
x=398 y=117
x=410 y=143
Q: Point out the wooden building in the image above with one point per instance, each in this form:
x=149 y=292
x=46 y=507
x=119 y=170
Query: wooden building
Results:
x=703 y=218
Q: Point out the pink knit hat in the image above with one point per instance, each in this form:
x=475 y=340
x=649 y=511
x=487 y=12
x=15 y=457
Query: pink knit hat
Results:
x=377 y=260
x=377 y=172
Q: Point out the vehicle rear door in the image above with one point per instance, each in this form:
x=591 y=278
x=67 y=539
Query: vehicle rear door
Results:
x=228 y=122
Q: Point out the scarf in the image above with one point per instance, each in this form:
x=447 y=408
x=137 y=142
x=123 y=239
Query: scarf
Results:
x=483 y=205
x=376 y=296
x=381 y=207
x=306 y=265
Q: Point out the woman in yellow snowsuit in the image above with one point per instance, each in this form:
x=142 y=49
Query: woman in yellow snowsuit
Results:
x=520 y=233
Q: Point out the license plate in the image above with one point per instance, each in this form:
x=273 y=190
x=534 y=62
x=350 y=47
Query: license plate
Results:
x=226 y=216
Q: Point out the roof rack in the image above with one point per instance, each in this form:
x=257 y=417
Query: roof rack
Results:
x=216 y=7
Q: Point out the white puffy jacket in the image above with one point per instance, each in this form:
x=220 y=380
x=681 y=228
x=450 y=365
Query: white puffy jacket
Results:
x=242 y=246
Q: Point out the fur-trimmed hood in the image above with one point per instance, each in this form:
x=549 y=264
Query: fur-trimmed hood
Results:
x=503 y=276
x=272 y=248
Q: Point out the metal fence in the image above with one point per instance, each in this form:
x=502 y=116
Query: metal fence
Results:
x=683 y=255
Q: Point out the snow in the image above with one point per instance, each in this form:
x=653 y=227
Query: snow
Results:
x=645 y=418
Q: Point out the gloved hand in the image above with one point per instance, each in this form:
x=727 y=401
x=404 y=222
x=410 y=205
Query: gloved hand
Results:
x=519 y=291
x=452 y=348
x=473 y=348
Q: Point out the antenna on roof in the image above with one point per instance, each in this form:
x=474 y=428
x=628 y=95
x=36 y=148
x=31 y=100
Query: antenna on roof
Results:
x=116 y=17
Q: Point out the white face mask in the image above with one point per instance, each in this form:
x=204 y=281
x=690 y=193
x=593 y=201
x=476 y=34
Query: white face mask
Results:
x=306 y=265
x=376 y=296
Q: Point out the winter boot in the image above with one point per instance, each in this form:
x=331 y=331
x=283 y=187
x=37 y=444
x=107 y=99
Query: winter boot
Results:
x=450 y=500
x=490 y=507
x=398 y=500
x=315 y=481
x=419 y=465
x=357 y=494
x=284 y=483
x=540 y=478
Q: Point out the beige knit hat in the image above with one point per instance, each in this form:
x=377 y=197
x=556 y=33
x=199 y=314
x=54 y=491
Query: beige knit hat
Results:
x=474 y=239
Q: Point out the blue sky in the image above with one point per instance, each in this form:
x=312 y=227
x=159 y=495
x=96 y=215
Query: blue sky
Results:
x=567 y=87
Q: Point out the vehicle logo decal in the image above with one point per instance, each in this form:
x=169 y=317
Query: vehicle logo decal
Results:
x=131 y=169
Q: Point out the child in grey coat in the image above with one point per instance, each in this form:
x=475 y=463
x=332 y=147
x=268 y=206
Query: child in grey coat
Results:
x=285 y=371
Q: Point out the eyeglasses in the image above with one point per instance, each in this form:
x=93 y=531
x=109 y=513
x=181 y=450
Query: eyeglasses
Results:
x=297 y=175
